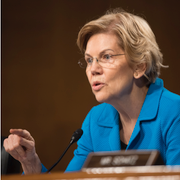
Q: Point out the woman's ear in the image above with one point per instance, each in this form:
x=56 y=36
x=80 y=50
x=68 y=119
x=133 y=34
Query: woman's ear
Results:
x=139 y=70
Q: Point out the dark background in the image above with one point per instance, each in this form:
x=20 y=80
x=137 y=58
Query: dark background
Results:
x=43 y=89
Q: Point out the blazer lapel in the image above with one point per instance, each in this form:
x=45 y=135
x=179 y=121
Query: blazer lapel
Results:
x=110 y=119
x=114 y=138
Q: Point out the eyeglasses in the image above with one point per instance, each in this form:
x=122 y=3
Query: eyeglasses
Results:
x=106 y=60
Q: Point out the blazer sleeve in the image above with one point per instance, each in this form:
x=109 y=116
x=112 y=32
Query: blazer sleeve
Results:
x=84 y=147
x=43 y=170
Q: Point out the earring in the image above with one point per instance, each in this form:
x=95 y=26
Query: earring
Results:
x=136 y=73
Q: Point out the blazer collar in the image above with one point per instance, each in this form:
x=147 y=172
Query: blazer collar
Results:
x=150 y=107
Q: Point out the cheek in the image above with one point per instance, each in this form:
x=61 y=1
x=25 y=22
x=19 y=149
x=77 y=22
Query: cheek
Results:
x=122 y=76
x=88 y=75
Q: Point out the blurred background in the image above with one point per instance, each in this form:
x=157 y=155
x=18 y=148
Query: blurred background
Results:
x=43 y=88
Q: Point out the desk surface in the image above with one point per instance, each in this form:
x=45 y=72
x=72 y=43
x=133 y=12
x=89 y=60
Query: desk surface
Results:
x=123 y=173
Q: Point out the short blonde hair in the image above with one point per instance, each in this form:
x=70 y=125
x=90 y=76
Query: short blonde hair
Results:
x=135 y=38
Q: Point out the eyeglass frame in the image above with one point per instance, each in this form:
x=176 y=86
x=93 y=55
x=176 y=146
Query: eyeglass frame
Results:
x=79 y=62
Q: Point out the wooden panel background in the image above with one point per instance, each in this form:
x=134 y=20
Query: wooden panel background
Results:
x=43 y=89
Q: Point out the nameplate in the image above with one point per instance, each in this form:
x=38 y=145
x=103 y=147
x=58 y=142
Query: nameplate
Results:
x=123 y=158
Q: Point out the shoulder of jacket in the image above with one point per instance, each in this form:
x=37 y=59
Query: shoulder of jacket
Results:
x=104 y=115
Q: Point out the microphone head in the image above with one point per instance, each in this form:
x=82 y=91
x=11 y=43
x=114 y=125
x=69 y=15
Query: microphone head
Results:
x=76 y=135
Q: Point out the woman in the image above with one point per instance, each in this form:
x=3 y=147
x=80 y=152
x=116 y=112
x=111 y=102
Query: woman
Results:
x=122 y=61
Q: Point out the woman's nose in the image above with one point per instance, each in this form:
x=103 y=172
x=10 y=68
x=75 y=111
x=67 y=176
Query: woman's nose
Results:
x=96 y=67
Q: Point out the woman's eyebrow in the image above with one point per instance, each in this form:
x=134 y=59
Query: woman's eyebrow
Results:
x=86 y=54
x=102 y=52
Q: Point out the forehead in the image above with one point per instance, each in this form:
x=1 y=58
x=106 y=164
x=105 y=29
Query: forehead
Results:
x=102 y=41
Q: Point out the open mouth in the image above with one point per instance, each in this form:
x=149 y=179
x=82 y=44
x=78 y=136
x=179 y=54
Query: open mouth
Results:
x=97 y=86
x=97 y=83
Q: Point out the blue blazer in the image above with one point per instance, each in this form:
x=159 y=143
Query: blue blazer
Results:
x=157 y=127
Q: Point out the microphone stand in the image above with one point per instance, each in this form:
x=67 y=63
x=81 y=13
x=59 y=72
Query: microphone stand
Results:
x=75 y=137
x=59 y=158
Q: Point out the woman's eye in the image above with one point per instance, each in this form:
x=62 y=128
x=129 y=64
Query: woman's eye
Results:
x=89 y=60
x=107 y=57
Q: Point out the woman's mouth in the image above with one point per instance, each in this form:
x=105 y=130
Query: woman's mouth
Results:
x=97 y=86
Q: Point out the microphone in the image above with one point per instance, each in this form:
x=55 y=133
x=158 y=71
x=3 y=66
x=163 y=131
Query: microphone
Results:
x=75 y=137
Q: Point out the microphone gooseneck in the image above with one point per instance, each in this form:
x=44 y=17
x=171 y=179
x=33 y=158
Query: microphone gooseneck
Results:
x=75 y=137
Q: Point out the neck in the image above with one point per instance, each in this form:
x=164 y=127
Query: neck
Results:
x=129 y=108
x=130 y=105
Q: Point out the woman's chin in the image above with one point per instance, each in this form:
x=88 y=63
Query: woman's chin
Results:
x=101 y=99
